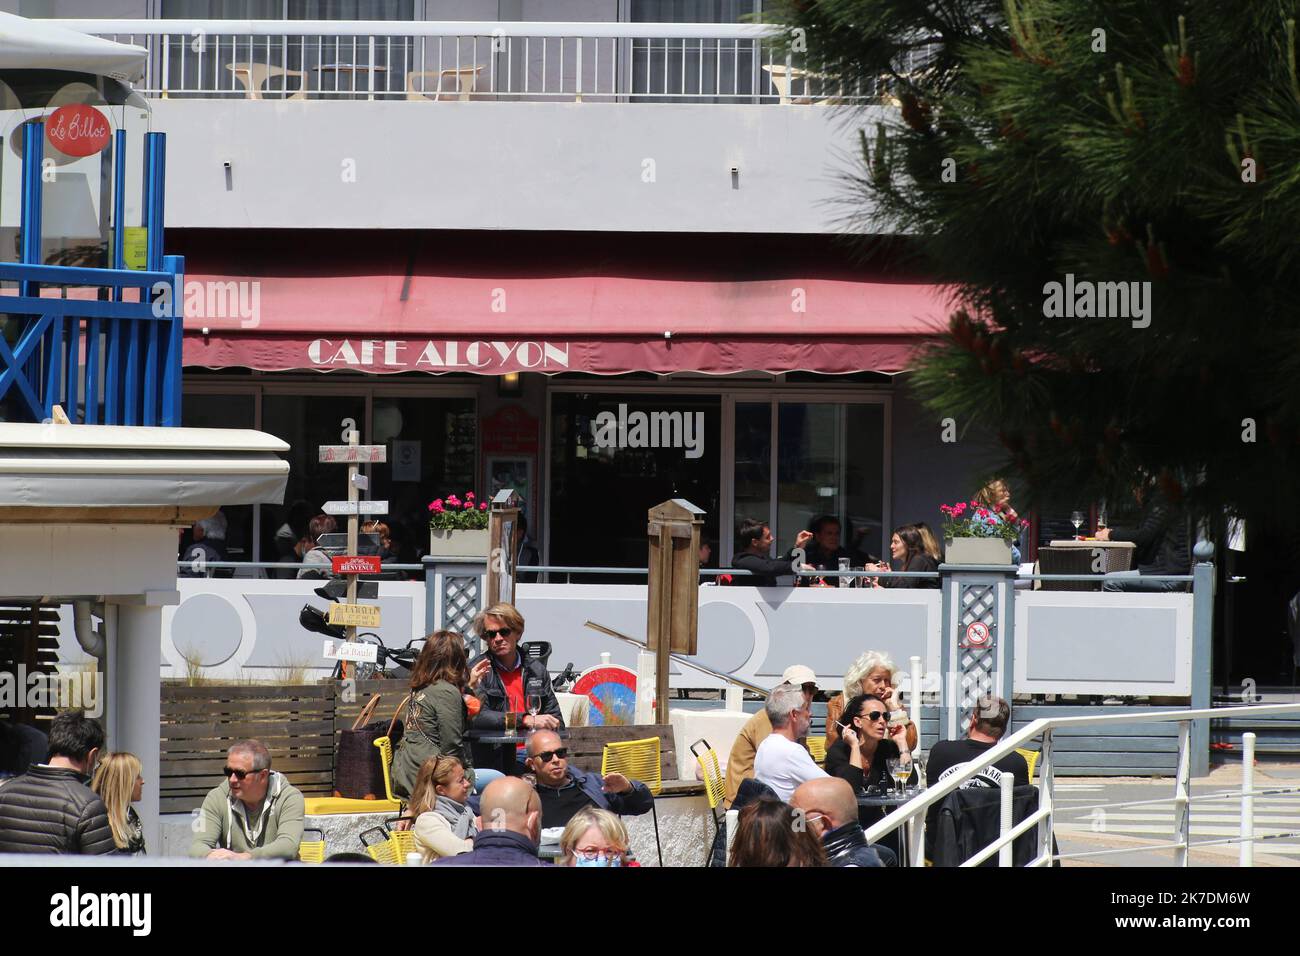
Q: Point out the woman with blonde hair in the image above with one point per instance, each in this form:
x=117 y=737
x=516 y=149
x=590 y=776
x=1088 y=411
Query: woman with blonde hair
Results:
x=119 y=784
x=875 y=673
x=444 y=823
x=595 y=837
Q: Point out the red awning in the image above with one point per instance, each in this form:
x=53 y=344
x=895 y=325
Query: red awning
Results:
x=496 y=320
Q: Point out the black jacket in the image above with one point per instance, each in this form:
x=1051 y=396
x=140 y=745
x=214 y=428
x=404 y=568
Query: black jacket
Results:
x=492 y=716
x=970 y=819
x=765 y=571
x=847 y=846
x=51 y=810
x=918 y=562
x=496 y=848
x=1161 y=538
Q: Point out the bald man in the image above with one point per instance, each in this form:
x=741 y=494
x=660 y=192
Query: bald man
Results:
x=830 y=809
x=565 y=790
x=511 y=814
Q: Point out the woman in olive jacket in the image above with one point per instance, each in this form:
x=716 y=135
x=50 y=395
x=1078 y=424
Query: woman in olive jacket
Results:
x=436 y=715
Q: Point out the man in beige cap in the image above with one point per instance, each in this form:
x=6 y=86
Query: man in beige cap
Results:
x=740 y=765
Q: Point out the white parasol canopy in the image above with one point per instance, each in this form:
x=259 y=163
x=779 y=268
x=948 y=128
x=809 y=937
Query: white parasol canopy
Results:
x=38 y=45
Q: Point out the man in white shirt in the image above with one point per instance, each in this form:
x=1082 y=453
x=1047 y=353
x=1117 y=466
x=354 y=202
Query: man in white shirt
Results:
x=781 y=763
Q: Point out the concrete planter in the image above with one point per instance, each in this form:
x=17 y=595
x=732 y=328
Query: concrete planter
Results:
x=458 y=543
x=977 y=551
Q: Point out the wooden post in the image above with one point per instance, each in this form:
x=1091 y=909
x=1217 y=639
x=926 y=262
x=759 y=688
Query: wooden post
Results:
x=503 y=547
x=673 y=600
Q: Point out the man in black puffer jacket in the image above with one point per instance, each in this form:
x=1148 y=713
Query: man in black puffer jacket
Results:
x=830 y=810
x=50 y=809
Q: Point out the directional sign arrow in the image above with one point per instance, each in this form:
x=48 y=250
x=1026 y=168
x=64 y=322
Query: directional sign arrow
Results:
x=356 y=507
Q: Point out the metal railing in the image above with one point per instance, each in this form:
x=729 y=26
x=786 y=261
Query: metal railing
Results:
x=912 y=815
x=468 y=60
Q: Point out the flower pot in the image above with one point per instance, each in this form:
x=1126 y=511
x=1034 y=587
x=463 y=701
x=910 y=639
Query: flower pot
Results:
x=977 y=551
x=458 y=543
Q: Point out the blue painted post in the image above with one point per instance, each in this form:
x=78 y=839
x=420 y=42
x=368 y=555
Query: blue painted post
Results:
x=153 y=195
x=33 y=154
x=91 y=416
x=119 y=204
x=113 y=374
x=1202 y=652
x=72 y=347
x=171 y=395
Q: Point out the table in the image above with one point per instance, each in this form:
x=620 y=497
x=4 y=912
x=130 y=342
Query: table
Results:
x=498 y=738
x=549 y=851
x=1082 y=557
x=887 y=802
x=368 y=68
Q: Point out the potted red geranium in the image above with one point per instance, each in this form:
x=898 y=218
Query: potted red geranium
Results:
x=458 y=527
x=975 y=534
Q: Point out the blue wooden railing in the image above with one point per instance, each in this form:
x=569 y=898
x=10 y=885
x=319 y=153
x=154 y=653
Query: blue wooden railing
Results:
x=114 y=359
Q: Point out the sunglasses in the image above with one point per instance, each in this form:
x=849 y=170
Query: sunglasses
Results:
x=874 y=715
x=238 y=774
x=546 y=755
x=503 y=631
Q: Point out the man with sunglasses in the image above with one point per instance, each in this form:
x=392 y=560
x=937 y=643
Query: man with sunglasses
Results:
x=565 y=790
x=254 y=814
x=507 y=681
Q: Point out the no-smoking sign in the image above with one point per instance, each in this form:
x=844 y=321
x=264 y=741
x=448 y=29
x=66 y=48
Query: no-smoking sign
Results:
x=978 y=635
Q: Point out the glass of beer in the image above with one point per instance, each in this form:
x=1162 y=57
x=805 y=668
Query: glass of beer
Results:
x=510 y=721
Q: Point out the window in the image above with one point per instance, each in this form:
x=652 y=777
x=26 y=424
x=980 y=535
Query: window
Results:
x=226 y=411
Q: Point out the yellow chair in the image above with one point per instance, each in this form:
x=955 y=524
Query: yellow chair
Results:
x=817 y=747
x=325 y=805
x=392 y=849
x=638 y=760
x=312 y=851
x=715 y=784
x=1031 y=758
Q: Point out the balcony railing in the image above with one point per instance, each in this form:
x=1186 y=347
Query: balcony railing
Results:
x=463 y=60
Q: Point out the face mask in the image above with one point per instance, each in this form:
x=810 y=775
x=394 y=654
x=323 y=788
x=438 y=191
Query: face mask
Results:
x=608 y=861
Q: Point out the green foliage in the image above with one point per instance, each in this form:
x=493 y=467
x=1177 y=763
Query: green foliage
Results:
x=1133 y=141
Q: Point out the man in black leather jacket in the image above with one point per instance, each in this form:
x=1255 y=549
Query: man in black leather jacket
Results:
x=505 y=687
x=51 y=809
x=755 y=542
x=1162 y=543
x=830 y=809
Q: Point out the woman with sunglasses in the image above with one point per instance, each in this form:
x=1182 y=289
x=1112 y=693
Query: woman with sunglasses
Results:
x=436 y=715
x=444 y=823
x=860 y=755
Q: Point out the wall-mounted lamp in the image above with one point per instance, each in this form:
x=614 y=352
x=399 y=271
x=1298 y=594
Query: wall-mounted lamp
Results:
x=509 y=385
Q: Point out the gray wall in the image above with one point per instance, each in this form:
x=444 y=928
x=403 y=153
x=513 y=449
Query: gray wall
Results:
x=488 y=165
x=927 y=471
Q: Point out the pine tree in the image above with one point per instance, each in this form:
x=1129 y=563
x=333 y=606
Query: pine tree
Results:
x=1153 y=142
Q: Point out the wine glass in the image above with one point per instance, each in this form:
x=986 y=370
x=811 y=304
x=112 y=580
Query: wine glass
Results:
x=902 y=772
x=891 y=764
x=918 y=761
x=534 y=706
x=1076 y=519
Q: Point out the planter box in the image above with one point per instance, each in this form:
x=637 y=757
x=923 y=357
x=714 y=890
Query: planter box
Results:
x=458 y=543
x=977 y=551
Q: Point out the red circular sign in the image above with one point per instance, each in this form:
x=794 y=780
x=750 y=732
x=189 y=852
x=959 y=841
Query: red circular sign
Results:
x=77 y=130
x=977 y=634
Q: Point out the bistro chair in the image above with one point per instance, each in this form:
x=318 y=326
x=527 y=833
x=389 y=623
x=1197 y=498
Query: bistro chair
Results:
x=638 y=760
x=316 y=806
x=465 y=79
x=1031 y=758
x=252 y=76
x=817 y=747
x=312 y=851
x=386 y=846
x=715 y=784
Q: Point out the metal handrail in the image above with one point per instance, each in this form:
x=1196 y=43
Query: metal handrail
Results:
x=684 y=661
x=913 y=813
x=423 y=28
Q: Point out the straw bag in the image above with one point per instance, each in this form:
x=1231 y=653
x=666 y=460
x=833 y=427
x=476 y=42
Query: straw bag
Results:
x=358 y=765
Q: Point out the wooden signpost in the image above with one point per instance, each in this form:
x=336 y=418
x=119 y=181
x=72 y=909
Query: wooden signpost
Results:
x=673 y=599
x=350 y=614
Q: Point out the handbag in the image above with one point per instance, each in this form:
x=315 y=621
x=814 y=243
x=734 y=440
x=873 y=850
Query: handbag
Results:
x=358 y=764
